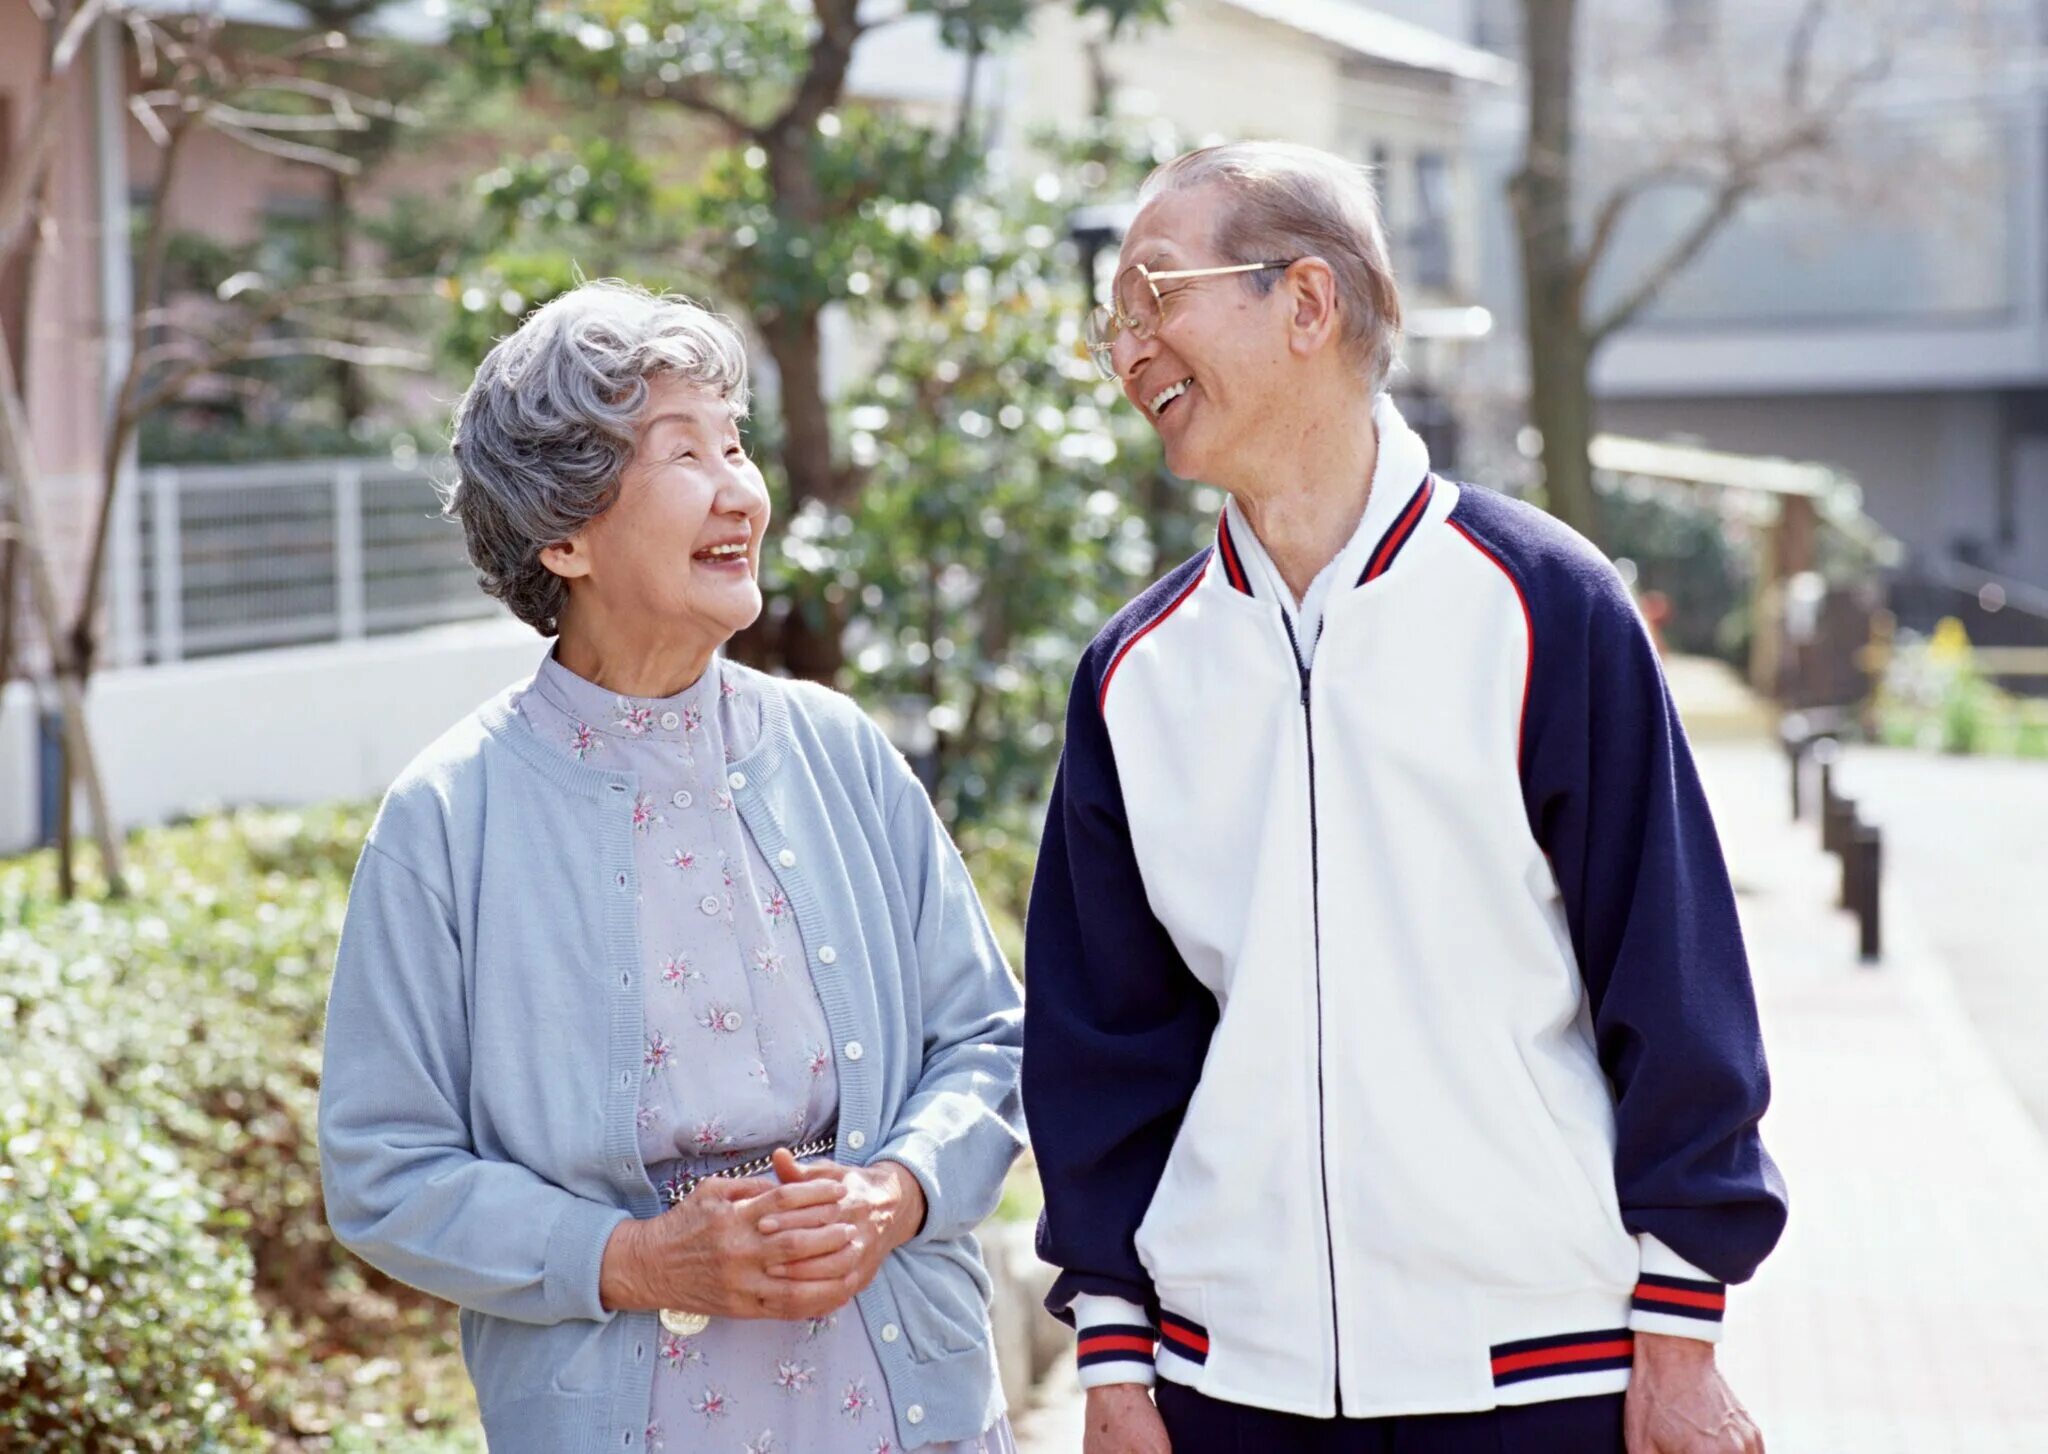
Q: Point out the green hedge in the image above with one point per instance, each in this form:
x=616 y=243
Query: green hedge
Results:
x=167 y=1280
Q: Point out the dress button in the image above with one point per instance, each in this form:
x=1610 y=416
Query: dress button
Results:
x=890 y=1332
x=857 y=1139
x=737 y=781
x=733 y=1020
x=670 y=721
x=681 y=799
x=915 y=1413
x=710 y=904
x=828 y=955
x=786 y=858
x=853 y=1050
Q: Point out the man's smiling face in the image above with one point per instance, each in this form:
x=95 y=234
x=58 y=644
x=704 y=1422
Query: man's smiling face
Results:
x=1208 y=376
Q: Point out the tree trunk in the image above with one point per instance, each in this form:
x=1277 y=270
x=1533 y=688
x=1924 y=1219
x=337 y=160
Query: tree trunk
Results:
x=350 y=397
x=1553 y=285
x=18 y=510
x=804 y=639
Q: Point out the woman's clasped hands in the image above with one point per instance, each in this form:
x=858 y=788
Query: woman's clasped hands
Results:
x=799 y=1246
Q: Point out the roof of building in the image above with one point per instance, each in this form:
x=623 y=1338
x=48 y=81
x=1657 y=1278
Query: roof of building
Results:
x=1385 y=38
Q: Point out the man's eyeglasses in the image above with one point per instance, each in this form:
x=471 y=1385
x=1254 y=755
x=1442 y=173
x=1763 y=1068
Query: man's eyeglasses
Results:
x=1136 y=305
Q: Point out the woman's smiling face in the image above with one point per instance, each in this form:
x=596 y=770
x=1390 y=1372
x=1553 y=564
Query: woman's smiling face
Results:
x=681 y=545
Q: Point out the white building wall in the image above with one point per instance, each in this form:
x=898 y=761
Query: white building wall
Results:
x=1215 y=73
x=304 y=725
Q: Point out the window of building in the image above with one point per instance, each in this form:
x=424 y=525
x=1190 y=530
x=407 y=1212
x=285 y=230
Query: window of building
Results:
x=1429 y=239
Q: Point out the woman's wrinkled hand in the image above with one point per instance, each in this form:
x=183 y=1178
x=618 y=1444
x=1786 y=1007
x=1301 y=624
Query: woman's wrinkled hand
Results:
x=880 y=1206
x=710 y=1253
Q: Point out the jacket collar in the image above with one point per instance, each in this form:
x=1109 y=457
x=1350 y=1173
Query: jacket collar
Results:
x=1401 y=492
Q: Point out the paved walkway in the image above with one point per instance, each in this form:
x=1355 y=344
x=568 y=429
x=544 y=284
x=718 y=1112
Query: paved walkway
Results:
x=1906 y=1311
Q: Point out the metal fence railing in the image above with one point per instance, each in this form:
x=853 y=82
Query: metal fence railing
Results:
x=220 y=559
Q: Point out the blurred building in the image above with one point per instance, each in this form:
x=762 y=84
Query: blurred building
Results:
x=1886 y=312
x=1355 y=79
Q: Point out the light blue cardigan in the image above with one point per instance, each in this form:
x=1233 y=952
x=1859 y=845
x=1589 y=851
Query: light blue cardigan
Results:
x=484 y=1039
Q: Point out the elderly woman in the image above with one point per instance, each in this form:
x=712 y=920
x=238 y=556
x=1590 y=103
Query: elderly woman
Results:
x=667 y=1036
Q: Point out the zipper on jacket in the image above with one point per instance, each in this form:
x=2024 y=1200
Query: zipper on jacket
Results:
x=1308 y=718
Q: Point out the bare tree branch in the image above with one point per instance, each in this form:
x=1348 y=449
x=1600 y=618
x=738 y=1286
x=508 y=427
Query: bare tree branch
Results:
x=74 y=35
x=292 y=151
x=221 y=114
x=244 y=339
x=1799 y=51
x=694 y=98
x=1747 y=170
x=839 y=28
x=149 y=121
x=1607 y=220
x=340 y=97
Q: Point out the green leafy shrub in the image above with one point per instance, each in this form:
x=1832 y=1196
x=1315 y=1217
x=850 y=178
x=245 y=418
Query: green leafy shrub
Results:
x=159 y=1064
x=126 y=1321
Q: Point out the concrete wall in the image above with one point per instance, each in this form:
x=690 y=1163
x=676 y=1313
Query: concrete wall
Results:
x=272 y=727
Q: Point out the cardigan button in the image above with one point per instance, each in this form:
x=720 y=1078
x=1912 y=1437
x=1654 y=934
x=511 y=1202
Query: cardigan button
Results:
x=786 y=858
x=738 y=780
x=856 y=1139
x=890 y=1332
x=828 y=955
x=853 y=1050
x=915 y=1413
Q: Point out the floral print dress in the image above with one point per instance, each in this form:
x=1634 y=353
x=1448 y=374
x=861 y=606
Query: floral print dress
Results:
x=737 y=1060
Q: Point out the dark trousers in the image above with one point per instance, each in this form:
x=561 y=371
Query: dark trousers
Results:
x=1201 y=1425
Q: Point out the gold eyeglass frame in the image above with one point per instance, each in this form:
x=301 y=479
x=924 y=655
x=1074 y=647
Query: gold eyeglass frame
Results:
x=1108 y=321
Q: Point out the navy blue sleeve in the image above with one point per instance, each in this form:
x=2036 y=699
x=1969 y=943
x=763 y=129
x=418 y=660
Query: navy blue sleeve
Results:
x=1115 y=1025
x=1616 y=803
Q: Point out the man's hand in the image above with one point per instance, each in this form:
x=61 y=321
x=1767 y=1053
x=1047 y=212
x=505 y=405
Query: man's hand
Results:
x=1123 y=1420
x=880 y=1207
x=1678 y=1402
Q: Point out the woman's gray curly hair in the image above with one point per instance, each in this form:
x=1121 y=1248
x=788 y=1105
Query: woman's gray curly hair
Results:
x=547 y=426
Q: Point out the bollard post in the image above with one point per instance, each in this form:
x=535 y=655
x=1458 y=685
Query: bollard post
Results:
x=1826 y=752
x=1837 y=816
x=1794 y=737
x=1866 y=858
x=1848 y=827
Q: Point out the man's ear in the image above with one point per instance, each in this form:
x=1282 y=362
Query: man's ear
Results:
x=1311 y=289
x=567 y=558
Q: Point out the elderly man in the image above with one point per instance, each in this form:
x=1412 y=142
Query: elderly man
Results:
x=1391 y=1053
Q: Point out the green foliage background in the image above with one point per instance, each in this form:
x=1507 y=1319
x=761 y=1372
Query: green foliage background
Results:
x=166 y=1277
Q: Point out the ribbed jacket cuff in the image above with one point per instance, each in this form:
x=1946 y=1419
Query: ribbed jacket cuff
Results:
x=575 y=1257
x=1675 y=1298
x=1115 y=1341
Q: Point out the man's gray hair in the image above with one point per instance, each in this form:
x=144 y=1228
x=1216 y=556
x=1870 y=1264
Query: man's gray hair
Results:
x=1282 y=202
x=547 y=426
